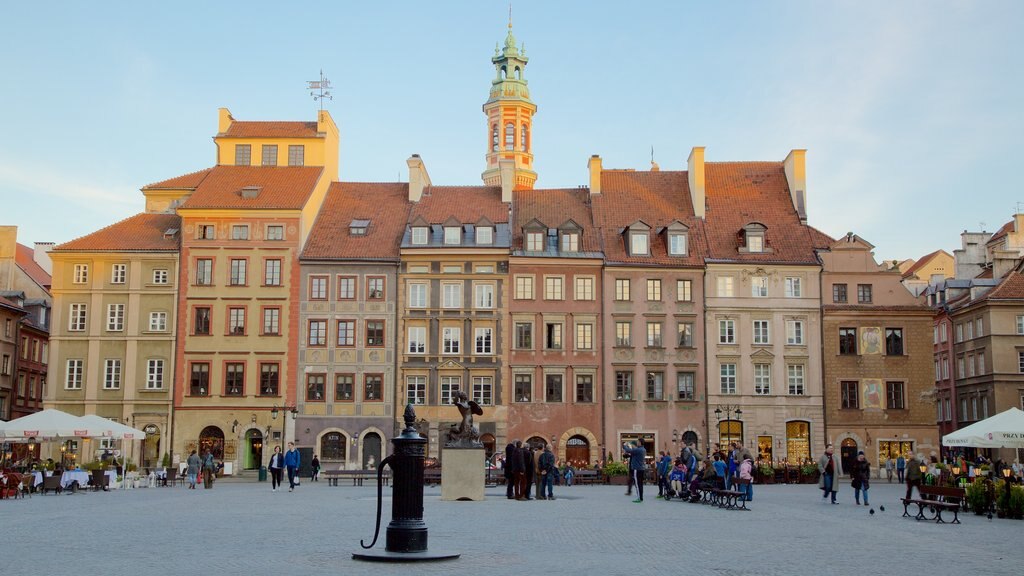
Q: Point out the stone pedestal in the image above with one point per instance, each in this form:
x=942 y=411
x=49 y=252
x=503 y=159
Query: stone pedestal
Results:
x=462 y=474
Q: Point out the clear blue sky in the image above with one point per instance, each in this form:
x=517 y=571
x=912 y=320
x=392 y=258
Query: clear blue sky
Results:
x=911 y=111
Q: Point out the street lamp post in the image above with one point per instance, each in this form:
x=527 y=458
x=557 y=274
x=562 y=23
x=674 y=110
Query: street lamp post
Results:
x=284 y=418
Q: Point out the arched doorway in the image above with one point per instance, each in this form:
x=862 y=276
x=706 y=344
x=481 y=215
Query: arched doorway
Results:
x=577 y=452
x=253 y=457
x=151 y=447
x=371 y=449
x=212 y=439
x=489 y=442
x=848 y=453
x=536 y=441
x=332 y=447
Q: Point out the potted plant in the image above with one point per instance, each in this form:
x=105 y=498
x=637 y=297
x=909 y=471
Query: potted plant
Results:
x=809 y=473
x=166 y=462
x=616 y=473
x=1017 y=502
x=1002 y=499
x=974 y=493
x=767 y=473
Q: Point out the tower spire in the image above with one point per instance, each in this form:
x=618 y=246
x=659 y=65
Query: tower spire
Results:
x=509 y=113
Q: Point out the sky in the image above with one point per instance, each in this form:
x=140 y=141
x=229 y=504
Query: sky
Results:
x=912 y=112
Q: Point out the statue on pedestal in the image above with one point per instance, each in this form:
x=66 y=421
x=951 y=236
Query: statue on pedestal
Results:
x=465 y=434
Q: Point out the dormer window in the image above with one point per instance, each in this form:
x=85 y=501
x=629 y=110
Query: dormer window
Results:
x=419 y=235
x=638 y=244
x=570 y=242
x=753 y=239
x=534 y=241
x=484 y=235
x=677 y=238
x=755 y=243
x=358 y=227
x=452 y=235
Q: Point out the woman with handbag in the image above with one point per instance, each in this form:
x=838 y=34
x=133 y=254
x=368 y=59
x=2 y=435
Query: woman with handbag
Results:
x=276 y=468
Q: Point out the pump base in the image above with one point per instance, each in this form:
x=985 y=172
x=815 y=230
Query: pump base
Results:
x=385 y=556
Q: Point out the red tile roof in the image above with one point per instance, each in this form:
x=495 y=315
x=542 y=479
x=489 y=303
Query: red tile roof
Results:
x=553 y=208
x=281 y=187
x=985 y=274
x=739 y=193
x=139 y=233
x=467 y=204
x=251 y=129
x=187 y=181
x=657 y=198
x=8 y=304
x=385 y=205
x=820 y=240
x=1011 y=288
x=912 y=271
x=1002 y=232
x=26 y=260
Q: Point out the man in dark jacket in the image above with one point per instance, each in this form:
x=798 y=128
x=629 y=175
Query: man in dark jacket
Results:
x=291 y=462
x=637 y=464
x=510 y=489
x=527 y=452
x=914 y=475
x=518 y=467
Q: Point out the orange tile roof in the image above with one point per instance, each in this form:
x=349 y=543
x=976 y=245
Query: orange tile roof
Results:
x=820 y=240
x=14 y=307
x=26 y=260
x=1001 y=233
x=467 y=204
x=139 y=233
x=985 y=274
x=385 y=205
x=553 y=208
x=1011 y=288
x=739 y=193
x=250 y=129
x=912 y=271
x=187 y=181
x=657 y=198
x=281 y=187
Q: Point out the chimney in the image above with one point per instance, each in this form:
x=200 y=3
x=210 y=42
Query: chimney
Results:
x=418 y=177
x=507 y=173
x=224 y=120
x=1002 y=262
x=595 y=174
x=41 y=255
x=695 y=176
x=796 y=176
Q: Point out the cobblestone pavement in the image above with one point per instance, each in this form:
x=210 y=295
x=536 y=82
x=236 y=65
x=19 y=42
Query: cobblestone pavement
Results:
x=244 y=528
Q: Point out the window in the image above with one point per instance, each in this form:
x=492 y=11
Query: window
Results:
x=375 y=288
x=793 y=287
x=272 y=273
x=81 y=275
x=961 y=370
x=755 y=243
x=524 y=336
x=234 y=378
x=942 y=332
x=970 y=365
x=524 y=288
x=315 y=387
x=201 y=321
x=416 y=390
x=524 y=131
x=974 y=408
x=112 y=374
x=483 y=296
x=77 y=318
x=894 y=396
x=981 y=362
x=374 y=333
x=584 y=336
x=534 y=242
x=275 y=232
x=945 y=368
x=622 y=334
x=684 y=291
x=296 y=155
x=727 y=378
x=239 y=231
x=677 y=244
x=119 y=274
x=795 y=373
x=115 y=317
x=317 y=333
x=318 y=288
x=894 y=341
x=373 y=385
x=269 y=154
x=684 y=386
x=346 y=287
x=761 y=333
x=154 y=375
x=419 y=235
x=654 y=334
x=553 y=335
x=204 y=272
x=417 y=295
x=450 y=386
x=655 y=386
x=236 y=321
x=978 y=328
x=653 y=290
x=622 y=289
x=863 y=293
x=271 y=321
x=160 y=276
x=970 y=329
x=510 y=136
x=553 y=388
x=794 y=332
x=483 y=390
x=839 y=293
x=623 y=385
x=206 y=232
x=584 y=288
x=959 y=332
x=684 y=333
x=73 y=376
x=199 y=381
x=524 y=387
x=570 y=242
x=417 y=339
x=759 y=287
x=938 y=371
x=451 y=339
x=344 y=386
x=484 y=235
x=483 y=341
x=1020 y=324
x=584 y=388
x=638 y=243
x=935 y=334
x=452 y=235
x=848 y=341
x=269 y=378
x=5 y=367
x=243 y=154
x=451 y=295
x=726 y=331
x=553 y=288
x=762 y=379
x=725 y=287
x=158 y=321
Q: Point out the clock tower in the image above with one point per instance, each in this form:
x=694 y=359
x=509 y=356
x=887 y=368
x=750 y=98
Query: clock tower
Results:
x=509 y=113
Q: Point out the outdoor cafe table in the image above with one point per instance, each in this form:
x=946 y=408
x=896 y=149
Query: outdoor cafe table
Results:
x=83 y=478
x=37 y=478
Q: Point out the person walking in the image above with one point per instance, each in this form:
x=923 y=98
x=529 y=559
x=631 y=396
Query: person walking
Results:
x=637 y=465
x=914 y=475
x=901 y=466
x=548 y=471
x=209 y=468
x=314 y=469
x=828 y=467
x=276 y=468
x=291 y=462
x=888 y=469
x=861 y=478
x=194 y=464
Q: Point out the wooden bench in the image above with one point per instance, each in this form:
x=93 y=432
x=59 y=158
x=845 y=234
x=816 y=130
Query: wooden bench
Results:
x=432 y=476
x=587 y=476
x=357 y=476
x=934 y=500
x=731 y=499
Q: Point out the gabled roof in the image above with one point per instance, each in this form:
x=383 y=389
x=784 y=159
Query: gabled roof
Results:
x=923 y=261
x=464 y=203
x=1010 y=288
x=281 y=187
x=554 y=208
x=184 y=182
x=385 y=205
x=1001 y=233
x=25 y=258
x=251 y=129
x=139 y=233
x=5 y=303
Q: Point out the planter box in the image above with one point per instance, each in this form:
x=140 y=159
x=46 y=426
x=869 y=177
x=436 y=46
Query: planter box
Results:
x=618 y=480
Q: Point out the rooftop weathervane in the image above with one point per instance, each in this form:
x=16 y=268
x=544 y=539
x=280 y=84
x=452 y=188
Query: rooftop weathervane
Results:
x=320 y=89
